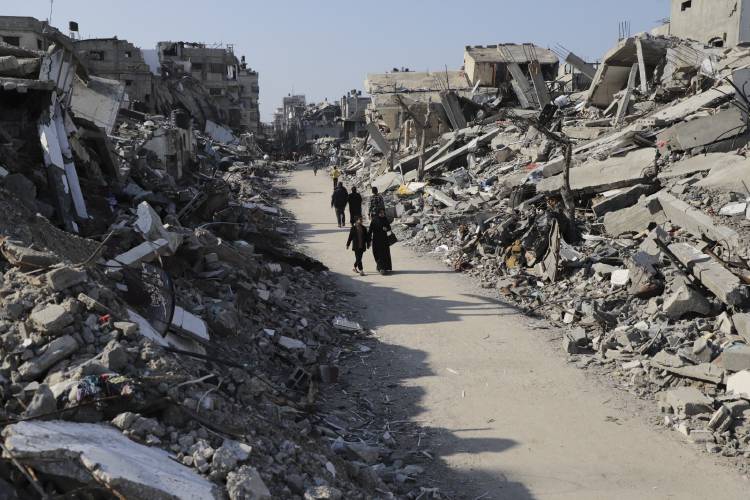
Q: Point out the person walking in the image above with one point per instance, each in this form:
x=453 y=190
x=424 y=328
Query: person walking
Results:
x=359 y=240
x=377 y=203
x=355 y=205
x=339 y=199
x=381 y=248
x=335 y=174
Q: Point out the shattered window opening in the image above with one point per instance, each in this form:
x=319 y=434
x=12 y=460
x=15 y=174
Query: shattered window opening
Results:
x=12 y=40
x=686 y=5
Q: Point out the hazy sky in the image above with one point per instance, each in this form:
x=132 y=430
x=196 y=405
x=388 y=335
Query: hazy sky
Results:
x=324 y=48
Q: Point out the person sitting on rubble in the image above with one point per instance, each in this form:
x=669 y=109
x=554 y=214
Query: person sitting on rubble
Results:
x=339 y=199
x=355 y=205
x=377 y=203
x=381 y=248
x=335 y=173
x=359 y=239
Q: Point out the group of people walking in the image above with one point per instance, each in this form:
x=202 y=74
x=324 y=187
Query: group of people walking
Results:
x=378 y=236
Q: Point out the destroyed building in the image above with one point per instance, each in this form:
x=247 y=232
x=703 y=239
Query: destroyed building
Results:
x=488 y=66
x=217 y=69
x=24 y=32
x=249 y=98
x=120 y=60
x=322 y=120
x=288 y=129
x=508 y=66
x=353 y=113
x=417 y=91
x=716 y=23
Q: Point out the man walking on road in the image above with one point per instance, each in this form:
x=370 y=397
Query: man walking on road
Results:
x=355 y=205
x=376 y=204
x=359 y=239
x=339 y=199
x=335 y=173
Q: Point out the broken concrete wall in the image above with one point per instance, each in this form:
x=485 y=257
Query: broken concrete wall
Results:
x=612 y=74
x=98 y=101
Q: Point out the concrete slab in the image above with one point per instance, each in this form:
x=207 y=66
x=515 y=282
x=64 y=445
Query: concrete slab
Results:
x=387 y=181
x=95 y=453
x=145 y=252
x=702 y=131
x=189 y=324
x=599 y=176
x=625 y=198
x=696 y=222
x=725 y=285
x=635 y=218
x=701 y=163
x=728 y=175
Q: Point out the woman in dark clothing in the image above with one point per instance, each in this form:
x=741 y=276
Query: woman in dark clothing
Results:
x=381 y=250
x=355 y=205
x=359 y=239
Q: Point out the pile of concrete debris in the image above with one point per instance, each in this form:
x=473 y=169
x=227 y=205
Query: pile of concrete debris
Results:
x=160 y=336
x=621 y=215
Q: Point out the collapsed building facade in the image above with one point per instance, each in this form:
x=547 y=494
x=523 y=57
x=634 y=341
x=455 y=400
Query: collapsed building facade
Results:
x=233 y=86
x=120 y=60
x=209 y=82
x=298 y=124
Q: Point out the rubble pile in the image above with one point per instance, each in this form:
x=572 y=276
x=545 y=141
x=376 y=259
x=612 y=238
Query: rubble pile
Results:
x=160 y=336
x=619 y=215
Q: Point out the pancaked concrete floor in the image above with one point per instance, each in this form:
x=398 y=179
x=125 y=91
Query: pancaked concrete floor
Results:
x=516 y=420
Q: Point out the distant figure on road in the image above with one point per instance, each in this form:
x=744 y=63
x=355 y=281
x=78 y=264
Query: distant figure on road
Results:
x=339 y=199
x=335 y=174
x=355 y=205
x=359 y=239
x=376 y=204
x=381 y=249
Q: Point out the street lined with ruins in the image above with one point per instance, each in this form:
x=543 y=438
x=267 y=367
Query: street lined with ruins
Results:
x=512 y=419
x=554 y=215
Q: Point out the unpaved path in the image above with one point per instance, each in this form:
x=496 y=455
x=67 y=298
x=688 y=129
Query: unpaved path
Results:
x=519 y=422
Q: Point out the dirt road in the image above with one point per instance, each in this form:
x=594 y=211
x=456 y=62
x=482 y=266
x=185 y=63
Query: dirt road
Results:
x=520 y=422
